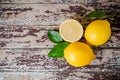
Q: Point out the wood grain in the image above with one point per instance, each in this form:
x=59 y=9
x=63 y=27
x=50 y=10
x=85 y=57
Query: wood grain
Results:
x=34 y=62
x=69 y=75
x=25 y=36
x=30 y=14
x=57 y=1
x=36 y=37
x=45 y=14
x=53 y=1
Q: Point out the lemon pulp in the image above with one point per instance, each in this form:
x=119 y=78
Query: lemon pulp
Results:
x=71 y=30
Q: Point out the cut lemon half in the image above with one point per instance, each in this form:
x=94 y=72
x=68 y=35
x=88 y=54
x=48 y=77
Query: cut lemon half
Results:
x=71 y=30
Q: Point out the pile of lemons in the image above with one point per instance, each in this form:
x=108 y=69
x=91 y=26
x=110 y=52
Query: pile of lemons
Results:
x=78 y=53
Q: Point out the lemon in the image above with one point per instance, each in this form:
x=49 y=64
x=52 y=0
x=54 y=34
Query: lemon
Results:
x=71 y=30
x=98 y=32
x=78 y=54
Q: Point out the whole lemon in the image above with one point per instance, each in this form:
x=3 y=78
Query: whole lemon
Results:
x=98 y=32
x=78 y=54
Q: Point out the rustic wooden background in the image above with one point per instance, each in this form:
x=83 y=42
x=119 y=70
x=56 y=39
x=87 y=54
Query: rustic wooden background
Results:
x=24 y=43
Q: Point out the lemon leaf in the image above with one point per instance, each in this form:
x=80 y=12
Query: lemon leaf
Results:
x=58 y=50
x=96 y=14
x=112 y=16
x=54 y=36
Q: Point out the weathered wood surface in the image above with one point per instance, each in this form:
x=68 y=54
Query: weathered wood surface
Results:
x=56 y=1
x=59 y=76
x=24 y=43
x=36 y=61
x=45 y=14
x=36 y=37
x=30 y=14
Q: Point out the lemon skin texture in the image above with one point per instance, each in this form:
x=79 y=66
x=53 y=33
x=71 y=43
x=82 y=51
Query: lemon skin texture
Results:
x=98 y=32
x=78 y=54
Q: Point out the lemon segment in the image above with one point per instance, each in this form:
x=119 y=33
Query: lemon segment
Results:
x=78 y=54
x=71 y=30
x=98 y=32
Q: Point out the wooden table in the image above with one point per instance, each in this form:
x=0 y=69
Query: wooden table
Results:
x=24 y=43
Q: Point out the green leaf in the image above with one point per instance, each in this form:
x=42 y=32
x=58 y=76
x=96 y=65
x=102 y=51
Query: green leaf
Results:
x=54 y=36
x=96 y=14
x=112 y=16
x=58 y=50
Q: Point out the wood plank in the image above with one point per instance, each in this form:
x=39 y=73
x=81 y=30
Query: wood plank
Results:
x=57 y=1
x=53 y=1
x=34 y=64
x=36 y=60
x=25 y=36
x=45 y=14
x=36 y=37
x=30 y=14
x=68 y=75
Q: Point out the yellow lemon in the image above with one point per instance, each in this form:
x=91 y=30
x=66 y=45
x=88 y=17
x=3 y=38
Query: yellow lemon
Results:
x=78 y=54
x=71 y=30
x=98 y=32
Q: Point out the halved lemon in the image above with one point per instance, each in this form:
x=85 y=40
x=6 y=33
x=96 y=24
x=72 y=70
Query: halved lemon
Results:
x=71 y=30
